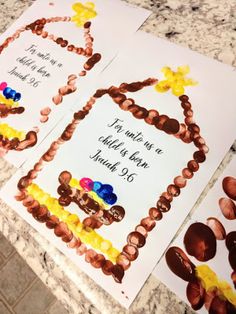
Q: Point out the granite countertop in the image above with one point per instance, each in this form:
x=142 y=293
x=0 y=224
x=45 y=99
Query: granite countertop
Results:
x=206 y=26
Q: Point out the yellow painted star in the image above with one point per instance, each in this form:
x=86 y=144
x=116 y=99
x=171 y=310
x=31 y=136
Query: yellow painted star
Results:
x=84 y=12
x=176 y=81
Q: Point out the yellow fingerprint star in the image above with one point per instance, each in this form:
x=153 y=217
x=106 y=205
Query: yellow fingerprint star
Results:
x=176 y=81
x=84 y=12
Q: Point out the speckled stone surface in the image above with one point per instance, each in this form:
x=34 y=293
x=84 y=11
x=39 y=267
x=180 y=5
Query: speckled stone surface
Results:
x=206 y=26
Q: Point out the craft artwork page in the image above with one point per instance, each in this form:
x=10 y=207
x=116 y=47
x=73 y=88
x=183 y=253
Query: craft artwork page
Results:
x=200 y=265
x=46 y=58
x=129 y=163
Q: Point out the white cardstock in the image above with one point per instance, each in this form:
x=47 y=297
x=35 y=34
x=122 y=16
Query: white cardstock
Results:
x=38 y=67
x=210 y=207
x=143 y=160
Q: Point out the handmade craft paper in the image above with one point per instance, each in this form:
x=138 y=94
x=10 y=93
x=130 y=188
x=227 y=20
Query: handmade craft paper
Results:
x=210 y=236
x=129 y=163
x=47 y=56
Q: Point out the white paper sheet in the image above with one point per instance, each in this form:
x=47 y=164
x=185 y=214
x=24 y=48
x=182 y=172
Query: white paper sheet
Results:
x=212 y=102
x=219 y=263
x=38 y=67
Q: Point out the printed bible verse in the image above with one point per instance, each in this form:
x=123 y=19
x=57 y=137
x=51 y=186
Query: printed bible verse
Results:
x=28 y=67
x=119 y=140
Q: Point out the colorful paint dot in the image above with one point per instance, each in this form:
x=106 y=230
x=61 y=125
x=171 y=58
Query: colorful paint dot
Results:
x=3 y=85
x=86 y=184
x=108 y=188
x=96 y=186
x=110 y=198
